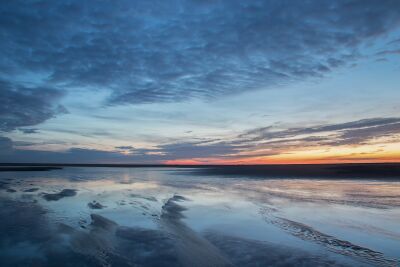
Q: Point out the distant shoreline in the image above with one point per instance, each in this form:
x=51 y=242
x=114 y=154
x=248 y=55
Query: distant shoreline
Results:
x=344 y=170
x=10 y=168
x=123 y=165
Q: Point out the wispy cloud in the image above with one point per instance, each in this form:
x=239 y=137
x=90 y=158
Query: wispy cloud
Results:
x=253 y=143
x=360 y=130
x=389 y=52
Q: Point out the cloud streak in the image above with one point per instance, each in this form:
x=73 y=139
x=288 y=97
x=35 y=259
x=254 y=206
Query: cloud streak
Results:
x=267 y=141
x=366 y=128
x=261 y=142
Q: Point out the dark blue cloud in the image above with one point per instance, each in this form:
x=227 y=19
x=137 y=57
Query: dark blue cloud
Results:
x=6 y=145
x=167 y=51
x=22 y=106
x=29 y=130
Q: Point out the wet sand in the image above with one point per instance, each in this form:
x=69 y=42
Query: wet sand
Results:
x=174 y=217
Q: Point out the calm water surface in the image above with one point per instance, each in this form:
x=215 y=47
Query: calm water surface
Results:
x=170 y=217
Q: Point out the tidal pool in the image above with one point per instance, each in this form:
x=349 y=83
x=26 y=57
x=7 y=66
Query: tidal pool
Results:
x=174 y=217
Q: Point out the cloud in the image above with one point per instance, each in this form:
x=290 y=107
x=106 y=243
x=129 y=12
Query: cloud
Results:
x=362 y=135
x=6 y=145
x=268 y=141
x=22 y=106
x=395 y=41
x=360 y=126
x=162 y=153
x=28 y=130
x=125 y=147
x=157 y=51
x=257 y=142
x=389 y=52
x=184 y=150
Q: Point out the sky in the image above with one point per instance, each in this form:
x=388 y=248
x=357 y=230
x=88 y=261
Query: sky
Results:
x=200 y=82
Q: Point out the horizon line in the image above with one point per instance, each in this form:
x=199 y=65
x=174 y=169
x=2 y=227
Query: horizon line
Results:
x=2 y=164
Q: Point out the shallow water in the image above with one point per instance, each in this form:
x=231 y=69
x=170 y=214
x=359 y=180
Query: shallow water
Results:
x=170 y=217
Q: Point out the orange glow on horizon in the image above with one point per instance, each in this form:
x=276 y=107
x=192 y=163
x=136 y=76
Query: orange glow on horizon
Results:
x=276 y=161
x=361 y=154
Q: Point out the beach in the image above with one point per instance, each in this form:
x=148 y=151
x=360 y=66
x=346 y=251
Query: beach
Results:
x=169 y=216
